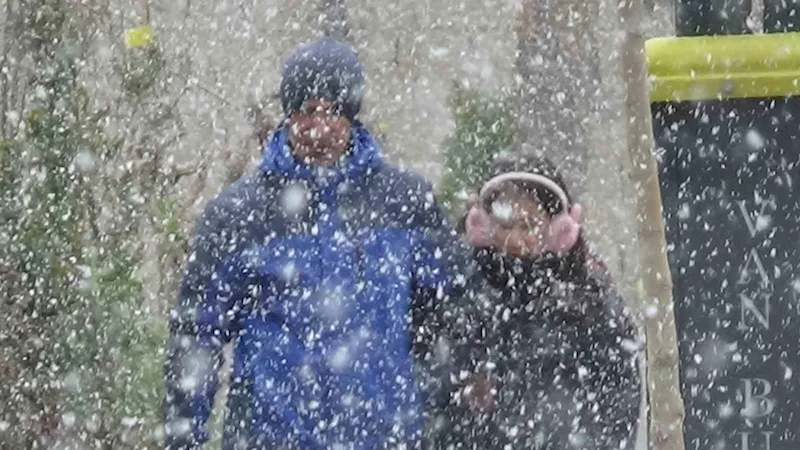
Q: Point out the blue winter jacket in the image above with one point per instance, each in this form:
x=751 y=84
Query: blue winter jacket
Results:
x=332 y=284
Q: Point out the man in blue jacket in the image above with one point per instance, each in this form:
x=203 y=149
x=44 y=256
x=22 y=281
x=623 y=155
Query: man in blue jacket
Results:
x=332 y=272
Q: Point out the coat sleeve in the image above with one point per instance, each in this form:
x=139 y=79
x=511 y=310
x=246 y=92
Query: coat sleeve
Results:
x=443 y=324
x=199 y=326
x=613 y=379
x=603 y=382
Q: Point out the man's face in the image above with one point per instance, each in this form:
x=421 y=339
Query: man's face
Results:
x=319 y=135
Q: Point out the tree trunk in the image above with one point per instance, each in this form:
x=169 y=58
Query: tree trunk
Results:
x=559 y=74
x=667 y=411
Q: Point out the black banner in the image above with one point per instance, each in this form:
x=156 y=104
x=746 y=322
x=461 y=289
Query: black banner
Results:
x=730 y=180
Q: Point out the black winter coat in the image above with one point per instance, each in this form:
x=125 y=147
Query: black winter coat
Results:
x=563 y=356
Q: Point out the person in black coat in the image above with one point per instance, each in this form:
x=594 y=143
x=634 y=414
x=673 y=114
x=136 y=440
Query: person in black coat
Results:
x=561 y=348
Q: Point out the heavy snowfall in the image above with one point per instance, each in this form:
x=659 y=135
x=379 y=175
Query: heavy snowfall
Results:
x=359 y=224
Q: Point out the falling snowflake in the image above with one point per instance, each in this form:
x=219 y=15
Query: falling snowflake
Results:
x=754 y=139
x=294 y=199
x=503 y=211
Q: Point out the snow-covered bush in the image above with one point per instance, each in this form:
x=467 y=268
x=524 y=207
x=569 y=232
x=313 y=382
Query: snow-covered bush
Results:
x=80 y=346
x=486 y=126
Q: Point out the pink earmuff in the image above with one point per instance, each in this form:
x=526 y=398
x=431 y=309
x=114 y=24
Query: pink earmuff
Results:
x=564 y=228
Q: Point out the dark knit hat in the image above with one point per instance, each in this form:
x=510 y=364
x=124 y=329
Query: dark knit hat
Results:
x=323 y=69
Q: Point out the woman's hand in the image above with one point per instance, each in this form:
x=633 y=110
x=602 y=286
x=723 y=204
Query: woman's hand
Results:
x=478 y=226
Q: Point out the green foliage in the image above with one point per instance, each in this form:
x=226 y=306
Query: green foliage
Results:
x=80 y=354
x=486 y=126
x=113 y=352
x=141 y=69
x=174 y=243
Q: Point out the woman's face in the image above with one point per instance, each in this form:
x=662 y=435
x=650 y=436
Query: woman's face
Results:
x=519 y=224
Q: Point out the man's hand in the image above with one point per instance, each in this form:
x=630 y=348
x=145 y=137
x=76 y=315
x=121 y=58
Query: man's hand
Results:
x=479 y=394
